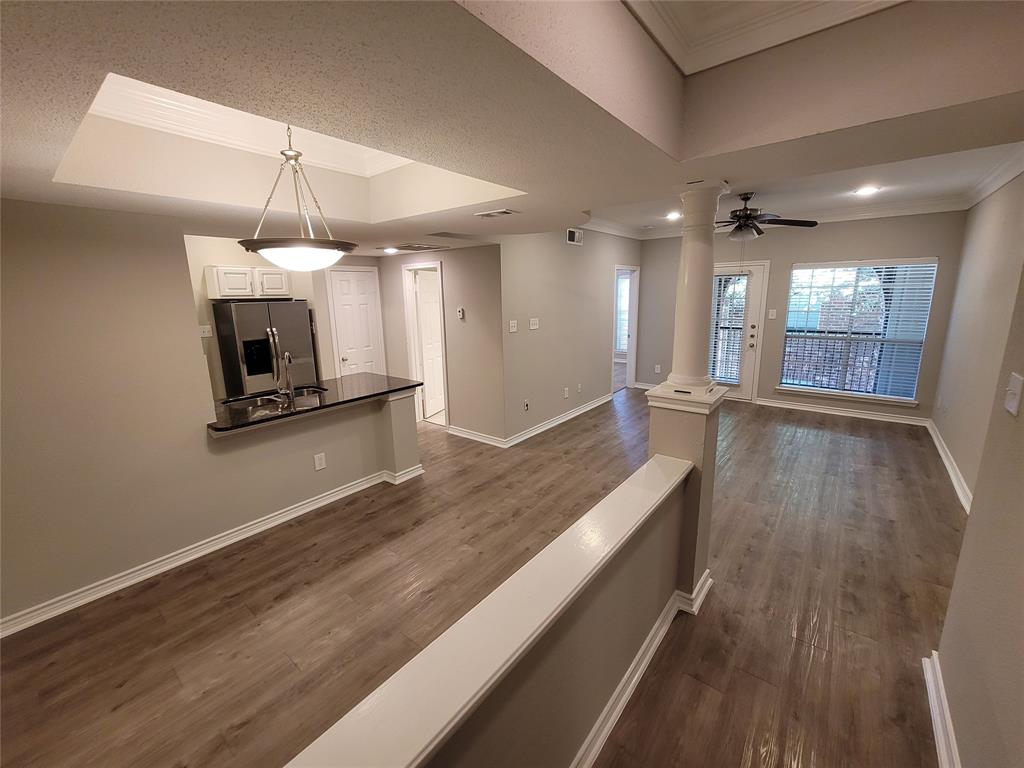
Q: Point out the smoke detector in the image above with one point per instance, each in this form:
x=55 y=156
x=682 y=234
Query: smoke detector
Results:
x=495 y=213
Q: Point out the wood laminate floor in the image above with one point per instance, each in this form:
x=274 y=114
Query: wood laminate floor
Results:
x=834 y=544
x=243 y=657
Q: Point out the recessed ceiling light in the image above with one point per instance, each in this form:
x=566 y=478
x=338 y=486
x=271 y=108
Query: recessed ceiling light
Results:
x=391 y=250
x=673 y=215
x=867 y=191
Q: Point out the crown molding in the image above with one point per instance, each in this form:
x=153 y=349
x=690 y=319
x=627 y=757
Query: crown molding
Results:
x=1005 y=171
x=761 y=28
x=611 y=228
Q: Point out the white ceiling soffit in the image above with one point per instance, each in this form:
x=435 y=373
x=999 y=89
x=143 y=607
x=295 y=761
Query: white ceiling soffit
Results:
x=701 y=34
x=150 y=106
x=951 y=182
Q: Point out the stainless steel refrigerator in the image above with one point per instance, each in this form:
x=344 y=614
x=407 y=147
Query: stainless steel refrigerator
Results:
x=254 y=336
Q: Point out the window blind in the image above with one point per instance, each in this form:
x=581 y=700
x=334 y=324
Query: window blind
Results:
x=858 y=328
x=728 y=307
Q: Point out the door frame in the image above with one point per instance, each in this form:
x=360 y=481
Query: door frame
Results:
x=764 y=313
x=412 y=334
x=634 y=320
x=334 y=317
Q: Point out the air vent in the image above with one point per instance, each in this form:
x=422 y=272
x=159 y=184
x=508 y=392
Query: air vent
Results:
x=495 y=213
x=415 y=247
x=574 y=236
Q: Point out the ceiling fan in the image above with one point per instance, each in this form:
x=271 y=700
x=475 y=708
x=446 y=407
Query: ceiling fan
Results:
x=747 y=222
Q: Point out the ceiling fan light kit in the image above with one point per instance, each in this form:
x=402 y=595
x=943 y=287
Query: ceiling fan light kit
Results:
x=746 y=222
x=307 y=252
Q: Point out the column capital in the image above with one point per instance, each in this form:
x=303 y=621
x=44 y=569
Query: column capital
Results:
x=700 y=204
x=675 y=398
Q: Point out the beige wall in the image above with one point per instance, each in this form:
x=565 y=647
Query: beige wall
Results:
x=471 y=278
x=983 y=637
x=937 y=235
x=907 y=59
x=570 y=289
x=106 y=459
x=991 y=263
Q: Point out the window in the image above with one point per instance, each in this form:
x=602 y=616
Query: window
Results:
x=622 y=285
x=858 y=327
x=728 y=307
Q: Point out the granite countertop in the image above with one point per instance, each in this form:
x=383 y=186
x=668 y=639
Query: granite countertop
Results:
x=239 y=414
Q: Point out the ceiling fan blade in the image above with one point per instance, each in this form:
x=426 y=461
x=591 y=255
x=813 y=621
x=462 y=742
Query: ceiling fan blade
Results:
x=753 y=226
x=791 y=222
x=727 y=221
x=766 y=217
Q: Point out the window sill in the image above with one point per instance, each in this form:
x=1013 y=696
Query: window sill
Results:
x=833 y=393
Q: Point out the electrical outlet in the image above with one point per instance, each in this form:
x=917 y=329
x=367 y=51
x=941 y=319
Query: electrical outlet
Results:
x=772 y=314
x=319 y=461
x=526 y=405
x=205 y=331
x=1013 y=393
x=579 y=388
x=657 y=369
x=534 y=323
x=461 y=313
x=513 y=326
x=565 y=393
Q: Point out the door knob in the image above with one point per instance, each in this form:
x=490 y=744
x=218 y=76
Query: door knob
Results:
x=344 y=359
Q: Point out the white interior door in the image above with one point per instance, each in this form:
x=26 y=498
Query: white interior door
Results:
x=736 y=312
x=428 y=311
x=358 y=333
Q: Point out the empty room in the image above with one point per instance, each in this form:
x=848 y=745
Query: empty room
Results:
x=541 y=384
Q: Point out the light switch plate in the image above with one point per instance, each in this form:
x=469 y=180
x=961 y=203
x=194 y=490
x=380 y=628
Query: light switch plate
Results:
x=772 y=314
x=534 y=323
x=657 y=369
x=205 y=331
x=513 y=326
x=1013 y=393
x=319 y=461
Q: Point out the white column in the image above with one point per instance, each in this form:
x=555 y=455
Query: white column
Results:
x=693 y=291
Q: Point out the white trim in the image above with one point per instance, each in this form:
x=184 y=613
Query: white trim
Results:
x=691 y=603
x=857 y=414
x=642 y=385
x=412 y=333
x=963 y=492
x=526 y=434
x=843 y=395
x=63 y=603
x=942 y=721
x=397 y=478
x=595 y=741
x=1005 y=171
x=334 y=318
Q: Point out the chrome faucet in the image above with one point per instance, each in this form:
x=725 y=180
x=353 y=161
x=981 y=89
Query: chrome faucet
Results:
x=286 y=388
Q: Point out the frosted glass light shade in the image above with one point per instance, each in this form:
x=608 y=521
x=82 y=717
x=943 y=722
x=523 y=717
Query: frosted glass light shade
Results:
x=299 y=254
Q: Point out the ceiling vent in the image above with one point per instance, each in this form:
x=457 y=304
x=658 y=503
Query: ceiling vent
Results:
x=495 y=213
x=574 y=236
x=414 y=247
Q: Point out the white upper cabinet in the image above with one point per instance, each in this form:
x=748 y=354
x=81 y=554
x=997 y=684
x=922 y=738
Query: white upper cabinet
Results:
x=246 y=282
x=271 y=282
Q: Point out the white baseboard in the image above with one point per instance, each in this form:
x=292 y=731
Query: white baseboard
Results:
x=641 y=385
x=526 y=434
x=691 y=603
x=942 y=722
x=959 y=484
x=58 y=605
x=480 y=437
x=400 y=477
x=853 y=412
x=595 y=741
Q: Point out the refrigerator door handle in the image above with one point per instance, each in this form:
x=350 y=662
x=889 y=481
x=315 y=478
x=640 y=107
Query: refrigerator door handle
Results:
x=272 y=336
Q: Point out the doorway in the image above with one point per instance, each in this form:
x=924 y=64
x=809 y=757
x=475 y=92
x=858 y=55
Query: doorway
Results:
x=424 y=328
x=353 y=298
x=626 y=298
x=734 y=349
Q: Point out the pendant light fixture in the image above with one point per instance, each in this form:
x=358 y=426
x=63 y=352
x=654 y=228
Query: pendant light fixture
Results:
x=307 y=252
